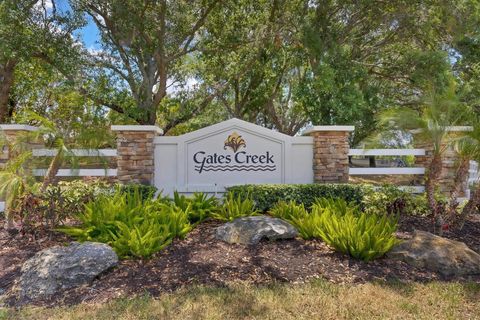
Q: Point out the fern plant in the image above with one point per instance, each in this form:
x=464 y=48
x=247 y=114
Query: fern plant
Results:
x=101 y=216
x=288 y=210
x=143 y=240
x=342 y=226
x=235 y=207
x=132 y=225
x=200 y=205
x=174 y=218
x=361 y=235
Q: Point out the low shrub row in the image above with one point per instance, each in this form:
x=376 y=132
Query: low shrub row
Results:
x=265 y=196
x=386 y=198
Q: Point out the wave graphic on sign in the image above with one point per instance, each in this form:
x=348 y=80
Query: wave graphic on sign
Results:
x=236 y=168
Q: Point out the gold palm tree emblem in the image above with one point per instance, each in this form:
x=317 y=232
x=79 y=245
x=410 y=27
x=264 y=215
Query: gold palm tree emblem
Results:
x=234 y=142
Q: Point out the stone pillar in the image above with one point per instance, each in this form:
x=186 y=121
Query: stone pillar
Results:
x=11 y=132
x=135 y=153
x=449 y=161
x=330 y=153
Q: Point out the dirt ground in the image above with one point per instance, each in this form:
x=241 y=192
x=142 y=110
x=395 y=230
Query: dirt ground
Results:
x=201 y=259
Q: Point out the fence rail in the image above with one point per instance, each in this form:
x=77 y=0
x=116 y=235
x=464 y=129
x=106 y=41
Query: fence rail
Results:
x=389 y=171
x=95 y=172
x=386 y=152
x=79 y=172
x=366 y=171
x=77 y=152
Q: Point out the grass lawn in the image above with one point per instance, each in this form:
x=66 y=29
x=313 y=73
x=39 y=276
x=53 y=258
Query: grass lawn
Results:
x=315 y=300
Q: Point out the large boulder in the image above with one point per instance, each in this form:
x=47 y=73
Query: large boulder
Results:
x=448 y=257
x=250 y=230
x=58 y=268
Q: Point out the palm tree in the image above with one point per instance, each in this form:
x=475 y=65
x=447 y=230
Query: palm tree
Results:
x=430 y=125
x=467 y=148
x=471 y=151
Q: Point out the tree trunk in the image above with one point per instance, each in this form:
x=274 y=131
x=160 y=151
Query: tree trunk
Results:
x=9 y=223
x=460 y=174
x=434 y=172
x=51 y=175
x=6 y=84
x=470 y=207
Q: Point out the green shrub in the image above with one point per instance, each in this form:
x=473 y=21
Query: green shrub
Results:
x=235 y=206
x=341 y=225
x=145 y=191
x=267 y=195
x=288 y=210
x=174 y=218
x=339 y=206
x=393 y=200
x=361 y=235
x=306 y=223
x=142 y=239
x=132 y=225
x=201 y=206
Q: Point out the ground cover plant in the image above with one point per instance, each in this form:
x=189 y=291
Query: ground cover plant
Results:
x=133 y=225
x=200 y=206
x=362 y=235
x=235 y=206
x=343 y=226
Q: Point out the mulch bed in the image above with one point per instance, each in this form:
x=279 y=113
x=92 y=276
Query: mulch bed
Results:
x=201 y=259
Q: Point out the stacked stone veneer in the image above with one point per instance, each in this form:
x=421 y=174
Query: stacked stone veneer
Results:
x=330 y=153
x=135 y=153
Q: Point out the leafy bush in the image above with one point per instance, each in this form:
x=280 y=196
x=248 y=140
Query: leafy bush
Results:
x=361 y=235
x=392 y=200
x=142 y=240
x=288 y=210
x=200 y=205
x=267 y=195
x=235 y=206
x=176 y=219
x=341 y=225
x=39 y=212
x=132 y=225
x=308 y=223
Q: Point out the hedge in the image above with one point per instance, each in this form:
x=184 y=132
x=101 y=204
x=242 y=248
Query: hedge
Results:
x=266 y=196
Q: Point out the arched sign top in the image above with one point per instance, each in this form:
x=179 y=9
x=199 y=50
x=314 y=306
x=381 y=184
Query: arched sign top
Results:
x=232 y=124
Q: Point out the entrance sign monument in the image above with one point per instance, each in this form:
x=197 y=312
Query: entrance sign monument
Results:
x=230 y=153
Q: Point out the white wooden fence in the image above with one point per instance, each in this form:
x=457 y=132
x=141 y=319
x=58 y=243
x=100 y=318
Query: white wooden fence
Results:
x=78 y=172
x=98 y=172
x=390 y=170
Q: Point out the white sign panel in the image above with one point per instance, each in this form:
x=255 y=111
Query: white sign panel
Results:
x=231 y=153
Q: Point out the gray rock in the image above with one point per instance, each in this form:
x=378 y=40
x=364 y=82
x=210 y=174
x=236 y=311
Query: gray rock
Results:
x=448 y=257
x=250 y=230
x=58 y=268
